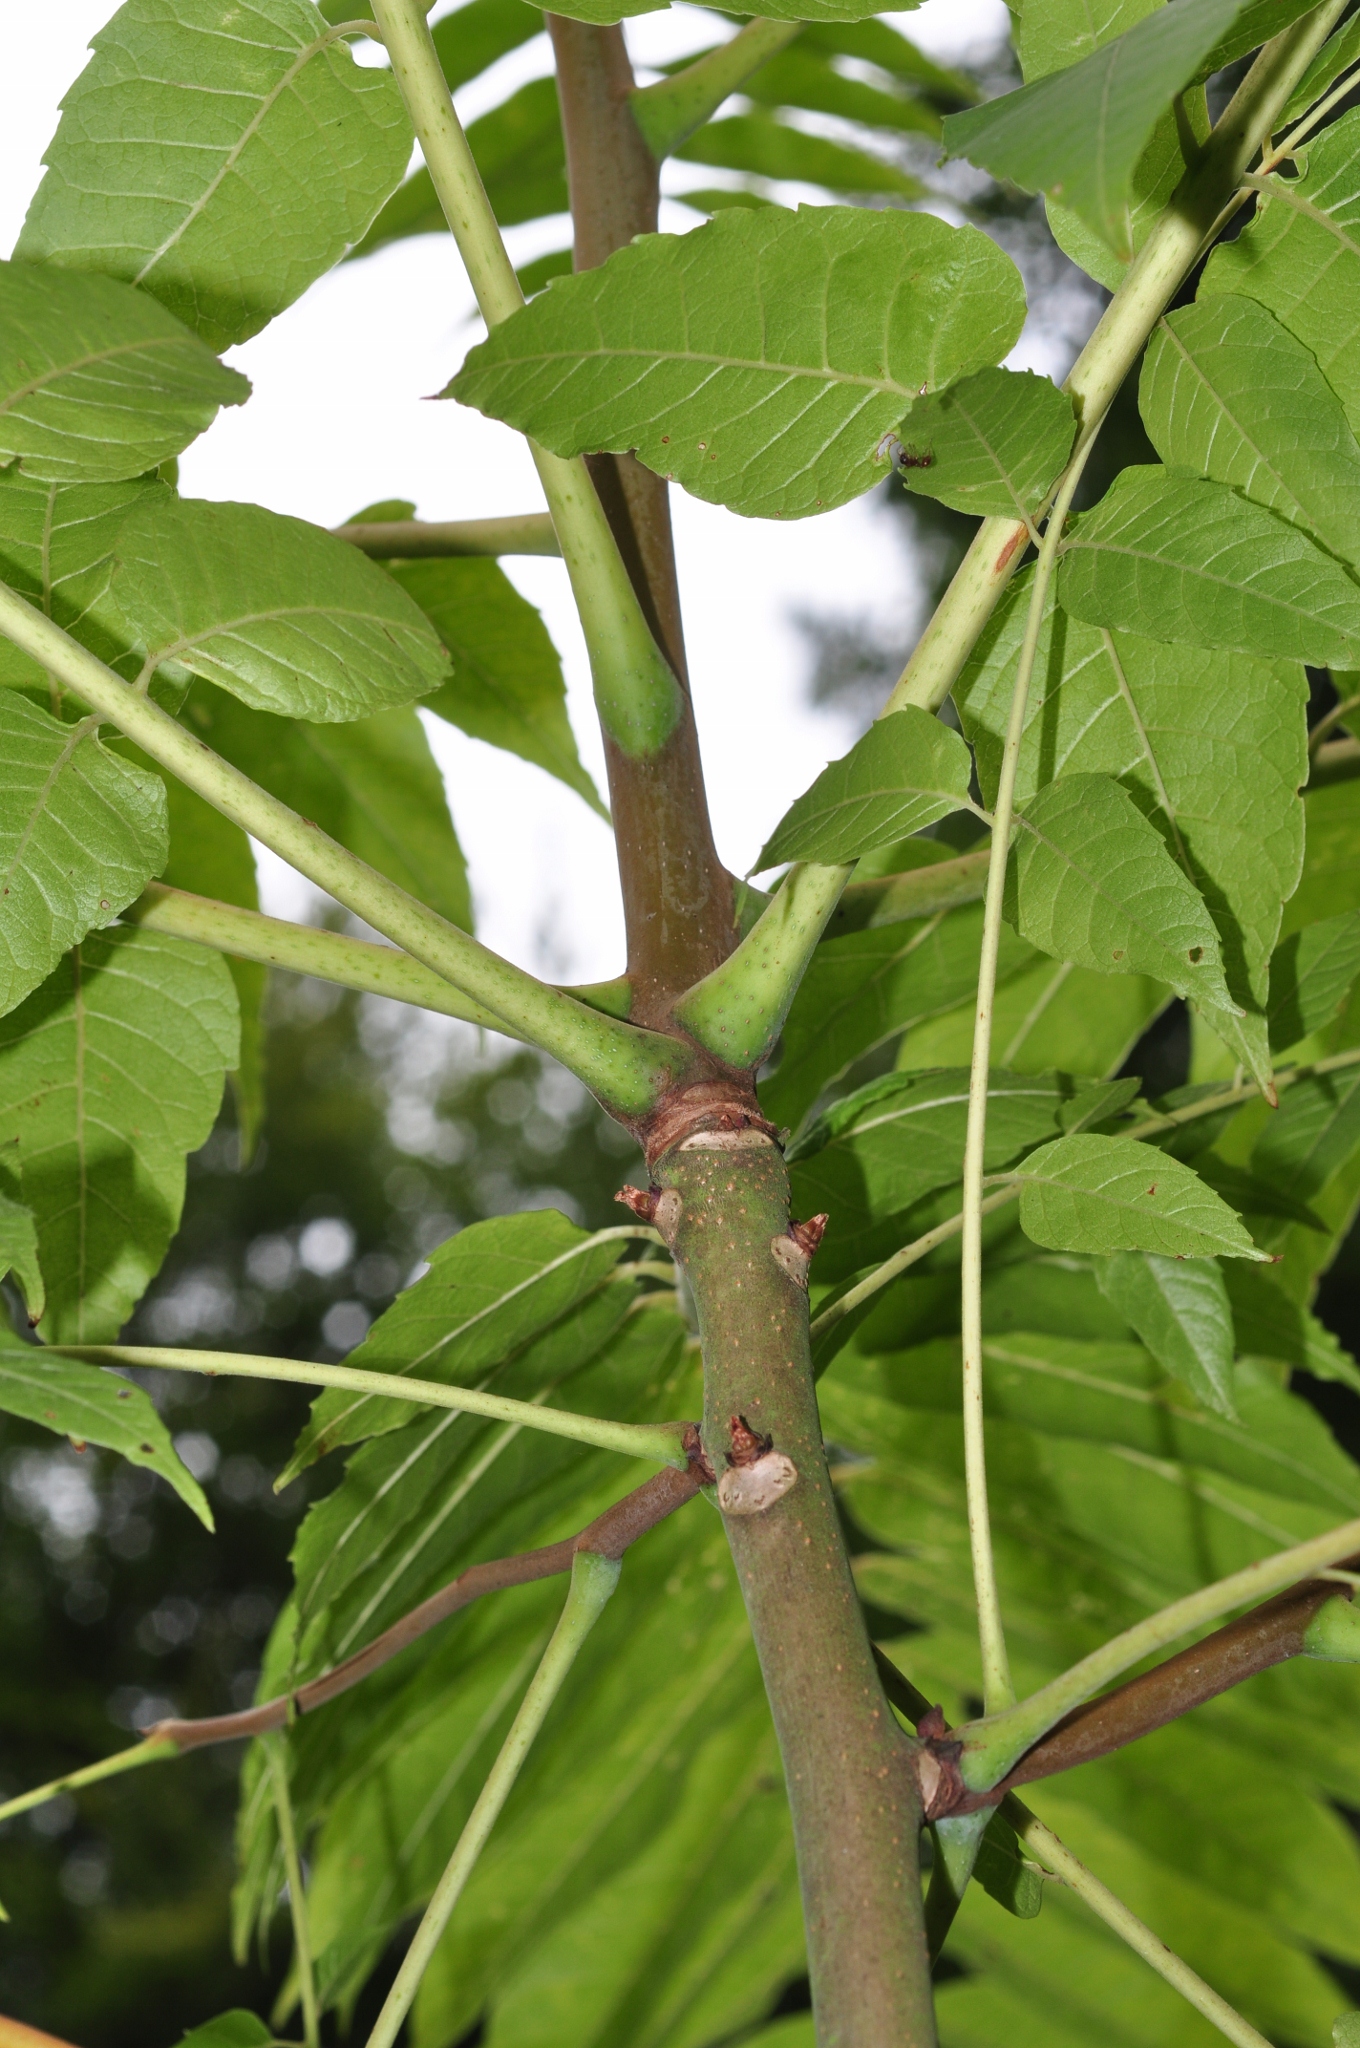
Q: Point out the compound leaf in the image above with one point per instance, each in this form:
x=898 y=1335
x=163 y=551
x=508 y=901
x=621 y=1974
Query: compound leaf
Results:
x=372 y=784
x=81 y=833
x=92 y=1406
x=993 y=443
x=220 y=155
x=879 y=1151
x=1091 y=881
x=1180 y=1310
x=861 y=990
x=906 y=772
x=57 y=545
x=97 y=382
x=1228 y=393
x=279 y=613
x=1194 y=563
x=1078 y=134
x=1311 y=973
x=1312 y=1135
x=110 y=1074
x=489 y=1292
x=1211 y=747
x=761 y=360
x=766 y=148
x=1300 y=256
x=1094 y=1194
x=19 y=1253
x=507 y=686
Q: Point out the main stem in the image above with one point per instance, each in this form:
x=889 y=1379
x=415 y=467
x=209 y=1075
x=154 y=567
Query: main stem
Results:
x=847 y=1763
x=677 y=895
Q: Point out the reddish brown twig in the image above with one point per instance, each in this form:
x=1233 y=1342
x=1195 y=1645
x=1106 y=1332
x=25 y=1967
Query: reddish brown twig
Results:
x=608 y=1536
x=1268 y=1635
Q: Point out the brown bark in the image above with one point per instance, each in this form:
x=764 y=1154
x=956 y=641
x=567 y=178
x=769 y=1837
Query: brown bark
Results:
x=677 y=896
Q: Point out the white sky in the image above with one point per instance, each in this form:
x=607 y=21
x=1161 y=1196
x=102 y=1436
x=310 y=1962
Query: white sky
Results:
x=340 y=417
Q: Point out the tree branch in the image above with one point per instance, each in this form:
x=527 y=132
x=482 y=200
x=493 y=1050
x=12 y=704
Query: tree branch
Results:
x=677 y=895
x=410 y=540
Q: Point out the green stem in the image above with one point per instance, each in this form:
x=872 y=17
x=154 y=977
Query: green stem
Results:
x=593 y=1579
x=997 y=1689
x=411 y=540
x=909 y=1255
x=660 y=1441
x=920 y=892
x=638 y=697
x=297 y=1898
x=305 y=949
x=627 y=1068
x=670 y=111
x=737 y=1012
x=848 y=1766
x=1152 y=279
x=90 y=1774
x=1117 y=1916
x=992 y=1746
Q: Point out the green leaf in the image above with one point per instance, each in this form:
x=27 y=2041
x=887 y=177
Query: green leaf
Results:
x=1211 y=748
x=1337 y=54
x=1300 y=256
x=878 y=1152
x=473 y=38
x=1270 y=1325
x=906 y=772
x=1005 y=1873
x=1091 y=1194
x=803 y=76
x=109 y=1074
x=507 y=686
x=519 y=151
x=19 y=1254
x=1045 y=1013
x=371 y=784
x=1196 y=564
x=1256 y=23
x=1227 y=393
x=279 y=613
x=1346 y=2031
x=489 y=1292
x=1091 y=881
x=237 y=2029
x=222 y=160
x=1156 y=175
x=1061 y=33
x=209 y=856
x=1312 y=1135
x=1311 y=974
x=1179 y=1308
x=994 y=443
x=1331 y=867
x=862 y=990
x=766 y=148
x=1078 y=135
x=92 y=1406
x=57 y=548
x=874 y=42
x=99 y=383
x=760 y=360
x=81 y=833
